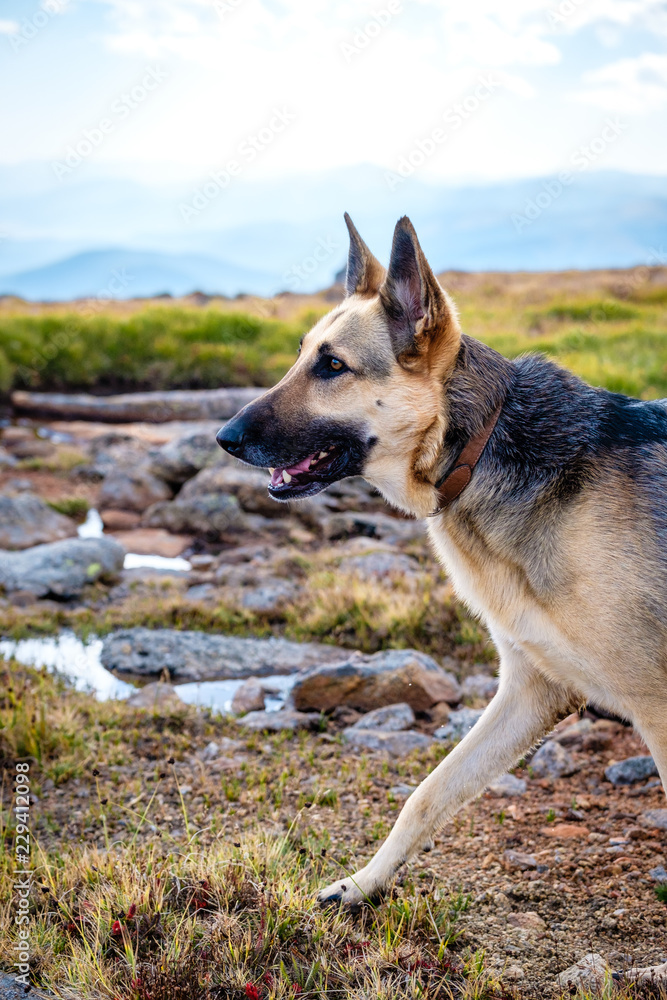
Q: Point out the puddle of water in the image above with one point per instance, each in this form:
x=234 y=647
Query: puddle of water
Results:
x=80 y=663
x=93 y=527
x=135 y=561
x=67 y=655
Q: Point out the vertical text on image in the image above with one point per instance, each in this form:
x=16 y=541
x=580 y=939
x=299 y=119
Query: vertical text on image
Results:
x=22 y=873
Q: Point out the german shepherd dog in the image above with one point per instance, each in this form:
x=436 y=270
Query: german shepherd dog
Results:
x=553 y=530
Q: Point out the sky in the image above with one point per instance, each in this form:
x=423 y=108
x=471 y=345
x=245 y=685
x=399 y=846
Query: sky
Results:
x=475 y=91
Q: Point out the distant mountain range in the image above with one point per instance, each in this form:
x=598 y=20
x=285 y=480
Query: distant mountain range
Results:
x=102 y=233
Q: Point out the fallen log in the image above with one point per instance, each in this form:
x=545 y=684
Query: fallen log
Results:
x=150 y=407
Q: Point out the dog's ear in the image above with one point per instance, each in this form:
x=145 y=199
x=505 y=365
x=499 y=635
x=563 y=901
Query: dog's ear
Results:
x=365 y=273
x=422 y=318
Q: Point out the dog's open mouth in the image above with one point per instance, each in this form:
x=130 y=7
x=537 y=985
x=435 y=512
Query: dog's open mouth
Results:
x=313 y=473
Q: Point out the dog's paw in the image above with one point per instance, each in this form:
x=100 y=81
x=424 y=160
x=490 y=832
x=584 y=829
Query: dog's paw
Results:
x=349 y=892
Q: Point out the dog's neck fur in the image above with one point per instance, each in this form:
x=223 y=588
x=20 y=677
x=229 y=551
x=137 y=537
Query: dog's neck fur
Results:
x=477 y=386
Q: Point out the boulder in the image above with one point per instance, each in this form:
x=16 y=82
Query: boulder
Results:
x=132 y=489
x=153 y=542
x=396 y=744
x=631 y=770
x=249 y=486
x=25 y=520
x=552 y=761
x=390 y=719
x=368 y=682
x=119 y=520
x=479 y=686
x=134 y=407
x=507 y=785
x=210 y=515
x=185 y=456
x=276 y=722
x=589 y=972
x=198 y=656
x=380 y=566
x=157 y=697
x=460 y=723
x=248 y=698
x=271 y=595
x=61 y=568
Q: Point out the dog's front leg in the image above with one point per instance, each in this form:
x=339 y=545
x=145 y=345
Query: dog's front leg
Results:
x=524 y=709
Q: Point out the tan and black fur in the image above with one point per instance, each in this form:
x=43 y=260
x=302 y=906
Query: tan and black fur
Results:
x=559 y=542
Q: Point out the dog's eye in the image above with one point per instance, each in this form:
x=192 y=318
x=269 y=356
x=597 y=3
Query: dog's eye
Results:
x=328 y=366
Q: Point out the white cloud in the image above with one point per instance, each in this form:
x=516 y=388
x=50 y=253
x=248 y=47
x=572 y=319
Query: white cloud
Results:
x=628 y=86
x=9 y=27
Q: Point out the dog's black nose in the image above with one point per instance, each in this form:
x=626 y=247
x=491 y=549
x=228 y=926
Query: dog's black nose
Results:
x=231 y=437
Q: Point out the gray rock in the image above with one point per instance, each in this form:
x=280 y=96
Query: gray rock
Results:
x=61 y=568
x=574 y=734
x=276 y=722
x=460 y=723
x=25 y=520
x=402 y=790
x=552 y=761
x=380 y=566
x=508 y=785
x=627 y=772
x=395 y=744
x=197 y=656
x=271 y=595
x=11 y=989
x=390 y=719
x=185 y=456
x=248 y=698
x=7 y=461
x=132 y=489
x=156 y=697
x=368 y=682
x=210 y=515
x=249 y=486
x=479 y=686
x=589 y=971
x=656 y=818
x=215 y=749
x=351 y=524
x=659 y=874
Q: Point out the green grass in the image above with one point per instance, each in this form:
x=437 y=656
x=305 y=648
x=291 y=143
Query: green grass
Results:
x=616 y=343
x=75 y=507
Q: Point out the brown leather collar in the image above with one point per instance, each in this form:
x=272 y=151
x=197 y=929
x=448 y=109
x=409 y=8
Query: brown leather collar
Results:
x=454 y=484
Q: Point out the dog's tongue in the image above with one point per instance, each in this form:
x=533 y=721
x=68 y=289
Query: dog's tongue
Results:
x=293 y=470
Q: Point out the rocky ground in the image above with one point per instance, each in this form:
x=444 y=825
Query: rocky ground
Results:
x=564 y=858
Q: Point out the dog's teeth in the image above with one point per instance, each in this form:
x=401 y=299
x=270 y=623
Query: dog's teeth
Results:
x=271 y=470
x=286 y=477
x=322 y=454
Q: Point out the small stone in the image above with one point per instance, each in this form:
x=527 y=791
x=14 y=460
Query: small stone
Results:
x=119 y=520
x=214 y=749
x=479 y=686
x=506 y=785
x=627 y=772
x=517 y=861
x=273 y=594
x=248 y=698
x=153 y=542
x=402 y=791
x=276 y=722
x=395 y=744
x=588 y=971
x=573 y=734
x=440 y=713
x=391 y=718
x=513 y=973
x=528 y=921
x=156 y=697
x=460 y=723
x=659 y=874
x=565 y=831
x=552 y=761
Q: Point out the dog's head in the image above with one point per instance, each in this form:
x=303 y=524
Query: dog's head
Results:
x=365 y=395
